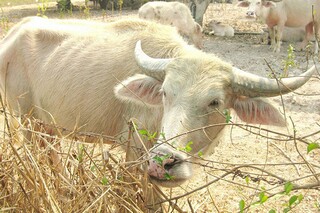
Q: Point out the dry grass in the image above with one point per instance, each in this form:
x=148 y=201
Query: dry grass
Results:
x=42 y=172
x=45 y=173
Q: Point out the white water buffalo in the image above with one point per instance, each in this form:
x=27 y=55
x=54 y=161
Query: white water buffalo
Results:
x=290 y=13
x=176 y=14
x=54 y=69
x=219 y=29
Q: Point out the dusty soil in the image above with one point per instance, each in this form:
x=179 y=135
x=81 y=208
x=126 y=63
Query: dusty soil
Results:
x=240 y=147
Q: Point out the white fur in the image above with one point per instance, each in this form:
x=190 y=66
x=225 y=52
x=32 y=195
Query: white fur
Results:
x=290 y=13
x=176 y=14
x=140 y=89
x=220 y=29
x=85 y=74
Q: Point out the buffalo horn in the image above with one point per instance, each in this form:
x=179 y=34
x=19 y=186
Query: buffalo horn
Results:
x=154 y=67
x=251 y=85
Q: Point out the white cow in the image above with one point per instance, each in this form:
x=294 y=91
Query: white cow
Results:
x=54 y=69
x=176 y=14
x=220 y=29
x=290 y=13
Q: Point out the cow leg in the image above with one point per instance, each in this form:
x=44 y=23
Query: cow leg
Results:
x=272 y=32
x=307 y=37
x=278 y=37
x=49 y=143
x=317 y=34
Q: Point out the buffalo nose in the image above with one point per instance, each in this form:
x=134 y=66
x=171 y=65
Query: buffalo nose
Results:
x=250 y=13
x=159 y=166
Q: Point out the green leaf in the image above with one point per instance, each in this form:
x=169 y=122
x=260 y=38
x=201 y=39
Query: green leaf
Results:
x=153 y=136
x=247 y=179
x=81 y=153
x=300 y=198
x=158 y=159
x=200 y=154
x=272 y=211
x=188 y=147
x=241 y=205
x=104 y=181
x=312 y=146
x=162 y=134
x=263 y=198
x=292 y=200
x=226 y=113
x=143 y=132
x=288 y=187
x=168 y=176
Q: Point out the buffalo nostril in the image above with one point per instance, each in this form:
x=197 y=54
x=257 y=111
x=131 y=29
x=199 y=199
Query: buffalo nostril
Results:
x=250 y=13
x=168 y=165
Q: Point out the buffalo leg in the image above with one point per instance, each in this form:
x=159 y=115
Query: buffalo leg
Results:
x=272 y=36
x=278 y=37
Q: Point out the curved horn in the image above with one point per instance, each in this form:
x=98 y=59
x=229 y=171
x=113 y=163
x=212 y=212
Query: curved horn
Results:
x=252 y=85
x=153 y=67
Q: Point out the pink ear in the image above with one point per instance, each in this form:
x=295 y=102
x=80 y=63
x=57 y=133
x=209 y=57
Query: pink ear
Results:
x=243 y=4
x=141 y=89
x=257 y=111
x=269 y=4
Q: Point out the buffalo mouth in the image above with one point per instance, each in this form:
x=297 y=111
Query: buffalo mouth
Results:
x=169 y=170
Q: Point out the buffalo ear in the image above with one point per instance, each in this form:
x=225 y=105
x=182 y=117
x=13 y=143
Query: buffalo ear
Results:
x=243 y=4
x=257 y=111
x=269 y=4
x=140 y=89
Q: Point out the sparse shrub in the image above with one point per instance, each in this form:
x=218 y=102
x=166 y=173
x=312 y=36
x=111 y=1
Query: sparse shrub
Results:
x=42 y=8
x=4 y=23
x=64 y=5
x=86 y=11
x=120 y=4
x=289 y=62
x=103 y=4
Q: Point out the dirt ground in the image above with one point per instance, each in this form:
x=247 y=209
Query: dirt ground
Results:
x=240 y=147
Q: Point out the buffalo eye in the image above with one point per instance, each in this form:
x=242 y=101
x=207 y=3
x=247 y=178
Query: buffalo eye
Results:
x=214 y=103
x=163 y=92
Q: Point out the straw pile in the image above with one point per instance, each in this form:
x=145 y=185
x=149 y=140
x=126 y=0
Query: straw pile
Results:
x=59 y=174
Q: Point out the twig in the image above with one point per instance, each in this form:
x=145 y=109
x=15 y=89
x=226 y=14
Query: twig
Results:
x=197 y=189
x=297 y=149
x=286 y=156
x=190 y=205
x=212 y=200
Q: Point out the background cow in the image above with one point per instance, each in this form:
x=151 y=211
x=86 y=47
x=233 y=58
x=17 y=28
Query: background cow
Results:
x=176 y=14
x=290 y=13
x=51 y=68
x=219 y=29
